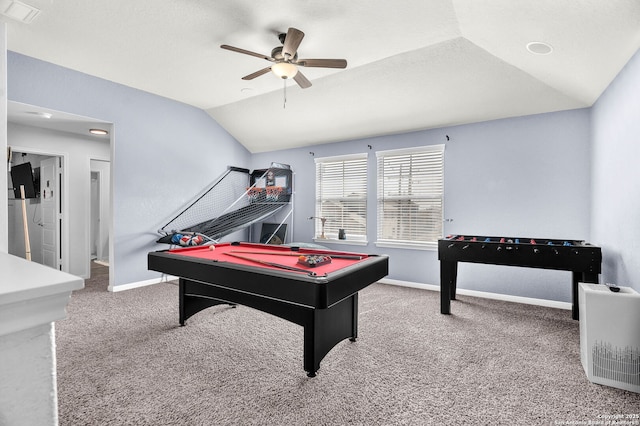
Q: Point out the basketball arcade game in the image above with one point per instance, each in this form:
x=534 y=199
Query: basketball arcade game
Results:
x=582 y=259
x=236 y=200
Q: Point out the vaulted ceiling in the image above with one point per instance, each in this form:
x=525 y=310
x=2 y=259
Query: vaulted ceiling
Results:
x=412 y=64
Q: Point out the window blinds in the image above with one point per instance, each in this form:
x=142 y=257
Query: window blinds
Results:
x=341 y=195
x=410 y=195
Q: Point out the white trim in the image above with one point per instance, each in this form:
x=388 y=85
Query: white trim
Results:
x=112 y=232
x=484 y=295
x=162 y=279
x=345 y=242
x=4 y=208
x=388 y=281
x=347 y=157
x=404 y=151
x=407 y=245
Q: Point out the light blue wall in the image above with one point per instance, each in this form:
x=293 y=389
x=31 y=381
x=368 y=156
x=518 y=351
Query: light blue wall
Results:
x=616 y=176
x=525 y=176
x=164 y=151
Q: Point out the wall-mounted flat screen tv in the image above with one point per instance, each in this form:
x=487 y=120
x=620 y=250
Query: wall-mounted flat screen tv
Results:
x=22 y=174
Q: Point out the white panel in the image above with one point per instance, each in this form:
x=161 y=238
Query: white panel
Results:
x=4 y=208
x=610 y=335
x=50 y=203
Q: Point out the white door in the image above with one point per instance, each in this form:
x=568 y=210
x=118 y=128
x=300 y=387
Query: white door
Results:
x=50 y=180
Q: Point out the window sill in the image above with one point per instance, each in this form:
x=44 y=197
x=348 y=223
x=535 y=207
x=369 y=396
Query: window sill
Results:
x=424 y=246
x=345 y=242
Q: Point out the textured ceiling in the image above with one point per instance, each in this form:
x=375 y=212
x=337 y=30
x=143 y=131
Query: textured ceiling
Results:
x=412 y=64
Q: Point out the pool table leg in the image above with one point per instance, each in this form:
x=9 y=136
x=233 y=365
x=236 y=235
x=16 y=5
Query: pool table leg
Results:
x=325 y=328
x=354 y=328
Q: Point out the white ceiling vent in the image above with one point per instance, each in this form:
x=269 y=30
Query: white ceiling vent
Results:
x=20 y=11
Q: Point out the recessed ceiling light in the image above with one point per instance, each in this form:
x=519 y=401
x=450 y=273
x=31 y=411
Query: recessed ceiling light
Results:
x=100 y=132
x=539 y=48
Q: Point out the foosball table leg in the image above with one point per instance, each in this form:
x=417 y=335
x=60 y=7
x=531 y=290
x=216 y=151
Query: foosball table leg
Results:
x=448 y=275
x=578 y=277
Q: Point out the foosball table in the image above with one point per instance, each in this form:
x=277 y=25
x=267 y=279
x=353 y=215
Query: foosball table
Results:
x=582 y=259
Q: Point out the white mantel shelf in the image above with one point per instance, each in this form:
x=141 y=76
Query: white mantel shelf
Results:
x=32 y=294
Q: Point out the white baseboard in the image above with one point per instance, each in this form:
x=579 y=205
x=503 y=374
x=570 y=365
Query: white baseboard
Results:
x=137 y=284
x=430 y=287
x=485 y=295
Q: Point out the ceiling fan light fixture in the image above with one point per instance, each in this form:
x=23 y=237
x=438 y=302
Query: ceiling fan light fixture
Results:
x=284 y=59
x=284 y=70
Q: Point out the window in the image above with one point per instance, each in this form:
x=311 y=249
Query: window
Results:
x=410 y=196
x=341 y=196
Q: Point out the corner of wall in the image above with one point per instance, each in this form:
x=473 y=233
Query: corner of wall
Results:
x=4 y=208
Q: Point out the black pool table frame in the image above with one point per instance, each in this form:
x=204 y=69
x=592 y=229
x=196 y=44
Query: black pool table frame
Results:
x=325 y=306
x=582 y=259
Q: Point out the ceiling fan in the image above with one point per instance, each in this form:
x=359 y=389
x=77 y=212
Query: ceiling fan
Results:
x=285 y=59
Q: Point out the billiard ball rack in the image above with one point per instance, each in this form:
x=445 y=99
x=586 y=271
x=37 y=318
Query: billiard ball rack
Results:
x=582 y=259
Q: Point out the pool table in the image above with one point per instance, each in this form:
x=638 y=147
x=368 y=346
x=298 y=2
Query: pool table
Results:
x=322 y=298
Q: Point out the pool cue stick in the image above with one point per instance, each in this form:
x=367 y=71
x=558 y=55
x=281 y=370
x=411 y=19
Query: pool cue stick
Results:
x=335 y=256
x=27 y=245
x=275 y=265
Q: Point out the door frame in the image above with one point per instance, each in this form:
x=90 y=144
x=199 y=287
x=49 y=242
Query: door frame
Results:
x=64 y=200
x=95 y=234
x=102 y=182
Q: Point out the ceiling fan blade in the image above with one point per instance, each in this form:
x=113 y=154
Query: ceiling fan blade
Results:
x=247 y=52
x=257 y=74
x=302 y=80
x=291 y=42
x=322 y=63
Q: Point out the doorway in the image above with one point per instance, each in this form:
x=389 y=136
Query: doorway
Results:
x=39 y=219
x=99 y=223
x=38 y=130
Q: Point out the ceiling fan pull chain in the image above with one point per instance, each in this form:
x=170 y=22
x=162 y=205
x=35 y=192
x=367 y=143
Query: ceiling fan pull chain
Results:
x=284 y=103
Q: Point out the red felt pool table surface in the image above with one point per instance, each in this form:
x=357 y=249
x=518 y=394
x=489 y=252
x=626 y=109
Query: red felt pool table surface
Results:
x=282 y=255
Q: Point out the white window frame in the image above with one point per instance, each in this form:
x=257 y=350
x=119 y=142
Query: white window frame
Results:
x=427 y=193
x=334 y=222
